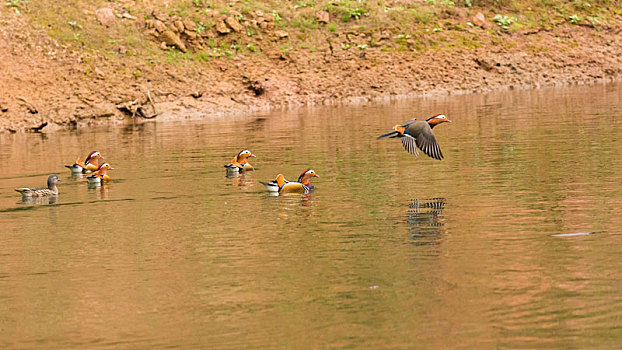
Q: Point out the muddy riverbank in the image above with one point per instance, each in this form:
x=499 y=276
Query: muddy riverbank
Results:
x=48 y=83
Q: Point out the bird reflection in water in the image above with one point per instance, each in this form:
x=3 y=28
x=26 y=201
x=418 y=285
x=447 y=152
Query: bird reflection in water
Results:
x=306 y=201
x=256 y=124
x=290 y=203
x=101 y=189
x=424 y=220
x=40 y=200
x=233 y=173
x=93 y=185
x=103 y=192
x=136 y=128
x=240 y=179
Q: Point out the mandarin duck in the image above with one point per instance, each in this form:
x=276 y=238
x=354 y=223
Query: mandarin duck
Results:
x=303 y=185
x=52 y=190
x=101 y=175
x=90 y=164
x=240 y=162
x=418 y=134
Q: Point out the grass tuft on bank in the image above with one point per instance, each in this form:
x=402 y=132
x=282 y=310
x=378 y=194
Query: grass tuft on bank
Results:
x=202 y=30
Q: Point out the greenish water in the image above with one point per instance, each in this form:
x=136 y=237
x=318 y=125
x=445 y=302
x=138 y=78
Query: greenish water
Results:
x=388 y=252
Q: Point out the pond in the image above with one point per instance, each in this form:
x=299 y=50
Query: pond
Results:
x=512 y=241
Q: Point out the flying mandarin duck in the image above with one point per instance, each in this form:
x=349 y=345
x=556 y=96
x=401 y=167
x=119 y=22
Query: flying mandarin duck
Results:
x=418 y=134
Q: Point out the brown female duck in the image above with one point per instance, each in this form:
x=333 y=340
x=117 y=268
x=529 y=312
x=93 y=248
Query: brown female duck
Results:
x=52 y=190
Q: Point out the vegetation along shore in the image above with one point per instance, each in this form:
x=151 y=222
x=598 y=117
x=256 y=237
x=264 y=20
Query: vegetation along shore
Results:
x=75 y=63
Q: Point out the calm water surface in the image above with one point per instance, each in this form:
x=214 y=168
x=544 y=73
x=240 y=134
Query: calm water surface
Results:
x=389 y=251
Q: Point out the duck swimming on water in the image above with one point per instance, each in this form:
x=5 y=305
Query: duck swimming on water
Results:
x=101 y=174
x=303 y=185
x=240 y=162
x=418 y=134
x=90 y=164
x=52 y=190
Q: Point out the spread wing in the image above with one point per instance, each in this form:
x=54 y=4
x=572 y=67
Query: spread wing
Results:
x=410 y=144
x=427 y=143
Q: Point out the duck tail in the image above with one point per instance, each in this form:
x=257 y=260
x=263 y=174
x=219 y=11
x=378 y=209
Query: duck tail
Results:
x=392 y=134
x=271 y=186
x=398 y=131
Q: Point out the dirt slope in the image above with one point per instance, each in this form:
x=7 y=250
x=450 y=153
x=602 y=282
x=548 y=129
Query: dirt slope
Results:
x=48 y=84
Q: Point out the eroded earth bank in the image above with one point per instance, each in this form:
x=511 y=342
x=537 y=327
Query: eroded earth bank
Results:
x=98 y=61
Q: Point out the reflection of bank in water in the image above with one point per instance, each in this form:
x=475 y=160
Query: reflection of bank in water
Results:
x=424 y=220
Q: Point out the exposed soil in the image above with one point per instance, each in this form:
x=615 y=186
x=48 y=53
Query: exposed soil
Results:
x=45 y=85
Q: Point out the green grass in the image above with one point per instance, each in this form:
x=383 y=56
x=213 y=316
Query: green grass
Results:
x=411 y=26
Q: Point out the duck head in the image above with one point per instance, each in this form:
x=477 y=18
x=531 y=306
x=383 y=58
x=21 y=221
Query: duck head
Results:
x=306 y=176
x=105 y=165
x=437 y=119
x=244 y=155
x=52 y=180
x=103 y=168
x=92 y=157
